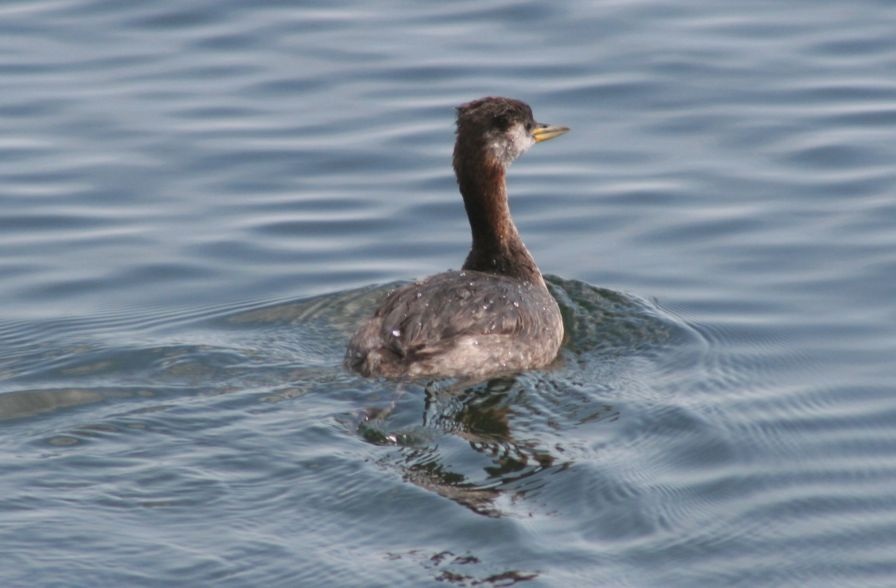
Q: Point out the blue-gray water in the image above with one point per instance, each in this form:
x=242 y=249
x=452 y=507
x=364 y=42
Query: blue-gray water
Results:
x=198 y=200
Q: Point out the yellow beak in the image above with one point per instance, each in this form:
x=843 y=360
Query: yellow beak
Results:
x=547 y=132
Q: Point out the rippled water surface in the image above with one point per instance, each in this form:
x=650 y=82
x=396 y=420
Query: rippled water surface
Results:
x=198 y=202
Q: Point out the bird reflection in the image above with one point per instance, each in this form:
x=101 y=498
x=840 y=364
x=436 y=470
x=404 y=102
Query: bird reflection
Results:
x=481 y=416
x=483 y=421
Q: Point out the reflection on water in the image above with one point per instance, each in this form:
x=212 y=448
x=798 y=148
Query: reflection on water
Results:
x=448 y=568
x=479 y=416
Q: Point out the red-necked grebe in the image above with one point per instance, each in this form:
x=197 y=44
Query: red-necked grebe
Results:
x=494 y=315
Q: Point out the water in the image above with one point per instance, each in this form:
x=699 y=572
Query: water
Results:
x=198 y=202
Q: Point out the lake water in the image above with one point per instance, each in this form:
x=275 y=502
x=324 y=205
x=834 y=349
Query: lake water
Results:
x=198 y=201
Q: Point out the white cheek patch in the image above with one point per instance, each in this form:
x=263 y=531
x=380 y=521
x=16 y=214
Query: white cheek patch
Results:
x=510 y=144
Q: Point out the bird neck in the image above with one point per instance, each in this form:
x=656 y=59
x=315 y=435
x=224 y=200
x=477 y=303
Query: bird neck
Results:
x=497 y=246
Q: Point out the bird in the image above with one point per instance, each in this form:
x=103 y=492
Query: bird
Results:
x=493 y=316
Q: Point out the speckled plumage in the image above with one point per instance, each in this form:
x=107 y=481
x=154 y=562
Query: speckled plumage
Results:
x=459 y=323
x=496 y=315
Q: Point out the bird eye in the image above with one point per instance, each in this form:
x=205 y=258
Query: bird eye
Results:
x=529 y=126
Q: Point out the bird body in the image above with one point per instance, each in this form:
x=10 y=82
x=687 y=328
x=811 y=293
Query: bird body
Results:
x=495 y=315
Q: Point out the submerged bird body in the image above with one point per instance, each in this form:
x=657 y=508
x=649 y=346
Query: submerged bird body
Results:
x=496 y=314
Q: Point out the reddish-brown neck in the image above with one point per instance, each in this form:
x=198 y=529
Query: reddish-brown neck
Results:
x=497 y=247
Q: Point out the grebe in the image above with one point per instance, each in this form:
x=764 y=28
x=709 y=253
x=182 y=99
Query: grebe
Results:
x=494 y=315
